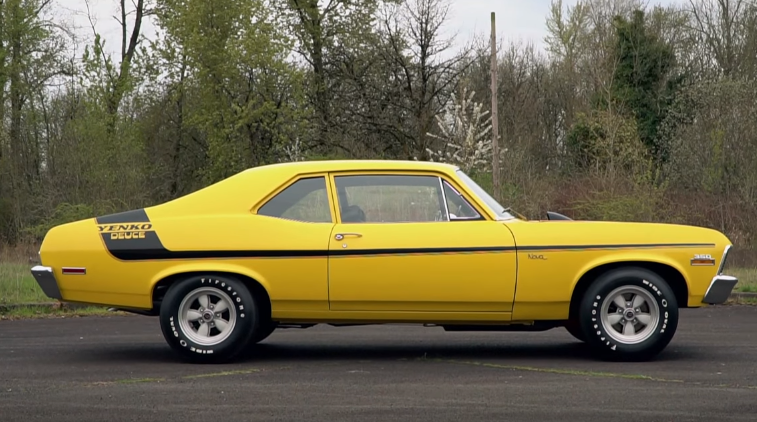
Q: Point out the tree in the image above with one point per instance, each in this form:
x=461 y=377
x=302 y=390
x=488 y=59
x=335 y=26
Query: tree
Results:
x=645 y=82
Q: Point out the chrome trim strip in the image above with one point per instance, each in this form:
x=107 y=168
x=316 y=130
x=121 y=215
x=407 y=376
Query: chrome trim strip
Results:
x=723 y=259
x=720 y=289
x=444 y=198
x=45 y=277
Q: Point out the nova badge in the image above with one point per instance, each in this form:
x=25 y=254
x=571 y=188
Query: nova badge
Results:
x=534 y=256
x=702 y=260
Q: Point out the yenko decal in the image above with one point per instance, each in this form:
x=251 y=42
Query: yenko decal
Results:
x=126 y=231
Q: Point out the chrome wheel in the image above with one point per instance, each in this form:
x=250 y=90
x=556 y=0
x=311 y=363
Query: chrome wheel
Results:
x=207 y=316
x=630 y=314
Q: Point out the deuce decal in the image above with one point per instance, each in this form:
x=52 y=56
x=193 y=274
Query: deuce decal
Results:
x=126 y=231
x=127 y=235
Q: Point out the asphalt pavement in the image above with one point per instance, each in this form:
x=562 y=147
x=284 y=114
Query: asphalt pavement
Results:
x=120 y=369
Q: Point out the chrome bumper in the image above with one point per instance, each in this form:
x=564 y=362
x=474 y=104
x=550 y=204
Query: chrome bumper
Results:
x=720 y=289
x=45 y=277
x=721 y=285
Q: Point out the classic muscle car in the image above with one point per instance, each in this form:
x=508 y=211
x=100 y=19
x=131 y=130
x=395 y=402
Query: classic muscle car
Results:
x=371 y=242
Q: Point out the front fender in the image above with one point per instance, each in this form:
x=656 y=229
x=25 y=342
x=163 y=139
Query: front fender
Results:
x=629 y=257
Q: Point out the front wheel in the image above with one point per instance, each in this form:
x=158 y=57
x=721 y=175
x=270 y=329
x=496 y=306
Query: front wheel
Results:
x=208 y=318
x=629 y=314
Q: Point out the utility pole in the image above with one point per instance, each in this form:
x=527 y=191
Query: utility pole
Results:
x=495 y=120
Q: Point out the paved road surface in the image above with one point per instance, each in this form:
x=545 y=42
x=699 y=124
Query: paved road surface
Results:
x=119 y=369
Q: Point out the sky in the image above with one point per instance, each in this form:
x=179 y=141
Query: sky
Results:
x=516 y=20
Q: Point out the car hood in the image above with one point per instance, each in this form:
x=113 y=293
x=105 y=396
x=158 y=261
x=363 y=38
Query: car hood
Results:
x=607 y=233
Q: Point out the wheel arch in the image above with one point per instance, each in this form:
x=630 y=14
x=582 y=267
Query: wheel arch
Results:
x=259 y=292
x=670 y=274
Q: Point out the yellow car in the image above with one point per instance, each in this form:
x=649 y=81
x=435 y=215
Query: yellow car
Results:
x=372 y=242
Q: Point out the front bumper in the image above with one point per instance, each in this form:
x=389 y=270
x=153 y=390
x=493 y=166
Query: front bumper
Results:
x=720 y=289
x=721 y=285
x=45 y=277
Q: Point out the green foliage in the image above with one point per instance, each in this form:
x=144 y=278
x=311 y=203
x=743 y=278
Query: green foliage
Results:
x=605 y=142
x=644 y=83
x=642 y=202
x=237 y=53
x=63 y=213
x=642 y=115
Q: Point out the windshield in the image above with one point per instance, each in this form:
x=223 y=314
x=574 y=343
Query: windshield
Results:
x=490 y=202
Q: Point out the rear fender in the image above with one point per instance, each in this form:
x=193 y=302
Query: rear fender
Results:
x=208 y=267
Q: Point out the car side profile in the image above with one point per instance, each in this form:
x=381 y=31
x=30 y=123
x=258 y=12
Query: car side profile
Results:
x=372 y=242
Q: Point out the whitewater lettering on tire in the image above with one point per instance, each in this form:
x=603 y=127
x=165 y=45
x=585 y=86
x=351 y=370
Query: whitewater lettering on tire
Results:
x=664 y=303
x=598 y=325
x=237 y=300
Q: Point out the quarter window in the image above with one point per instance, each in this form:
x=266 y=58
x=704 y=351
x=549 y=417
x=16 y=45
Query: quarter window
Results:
x=459 y=208
x=390 y=199
x=304 y=200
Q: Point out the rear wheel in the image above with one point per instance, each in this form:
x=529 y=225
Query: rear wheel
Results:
x=629 y=314
x=208 y=318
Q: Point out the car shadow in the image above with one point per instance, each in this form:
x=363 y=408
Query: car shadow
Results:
x=271 y=351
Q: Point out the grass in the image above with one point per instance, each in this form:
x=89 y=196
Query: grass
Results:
x=40 y=312
x=19 y=293
x=18 y=286
x=747 y=279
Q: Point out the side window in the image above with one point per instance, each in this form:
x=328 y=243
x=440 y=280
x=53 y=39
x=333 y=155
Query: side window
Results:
x=304 y=200
x=459 y=207
x=390 y=199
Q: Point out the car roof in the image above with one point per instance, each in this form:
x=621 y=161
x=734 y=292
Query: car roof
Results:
x=355 y=165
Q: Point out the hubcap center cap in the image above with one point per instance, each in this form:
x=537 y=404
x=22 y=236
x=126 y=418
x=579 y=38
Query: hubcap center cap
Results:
x=207 y=315
x=630 y=314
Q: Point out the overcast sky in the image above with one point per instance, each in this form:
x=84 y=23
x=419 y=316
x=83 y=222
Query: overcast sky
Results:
x=516 y=19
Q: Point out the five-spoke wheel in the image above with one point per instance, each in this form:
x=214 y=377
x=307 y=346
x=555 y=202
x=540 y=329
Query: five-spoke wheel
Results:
x=207 y=316
x=630 y=314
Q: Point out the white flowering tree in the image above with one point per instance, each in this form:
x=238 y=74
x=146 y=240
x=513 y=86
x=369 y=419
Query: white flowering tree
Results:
x=465 y=132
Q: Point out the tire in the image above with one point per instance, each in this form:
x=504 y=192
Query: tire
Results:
x=264 y=330
x=575 y=330
x=603 y=325
x=187 y=297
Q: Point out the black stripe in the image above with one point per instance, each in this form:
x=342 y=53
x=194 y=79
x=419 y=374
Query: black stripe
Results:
x=160 y=253
x=150 y=248
x=133 y=216
x=614 y=246
x=407 y=251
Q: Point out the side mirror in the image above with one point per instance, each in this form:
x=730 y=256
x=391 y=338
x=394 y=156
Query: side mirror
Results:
x=556 y=216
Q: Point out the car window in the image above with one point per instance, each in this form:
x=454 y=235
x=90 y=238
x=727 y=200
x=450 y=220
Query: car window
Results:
x=390 y=199
x=305 y=200
x=491 y=203
x=459 y=208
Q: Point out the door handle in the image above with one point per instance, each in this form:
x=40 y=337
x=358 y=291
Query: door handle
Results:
x=340 y=236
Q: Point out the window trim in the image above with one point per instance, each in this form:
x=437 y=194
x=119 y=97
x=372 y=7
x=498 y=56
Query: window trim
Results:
x=444 y=178
x=289 y=183
x=480 y=216
x=444 y=198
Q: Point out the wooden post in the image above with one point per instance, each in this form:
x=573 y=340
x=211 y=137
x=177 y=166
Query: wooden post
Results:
x=495 y=120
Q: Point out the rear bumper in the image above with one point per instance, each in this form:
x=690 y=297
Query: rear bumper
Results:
x=45 y=277
x=720 y=289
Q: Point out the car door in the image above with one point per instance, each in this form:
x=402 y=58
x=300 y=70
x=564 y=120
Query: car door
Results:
x=396 y=247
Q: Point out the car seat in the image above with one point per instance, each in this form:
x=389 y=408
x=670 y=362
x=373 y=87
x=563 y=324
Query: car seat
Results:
x=353 y=214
